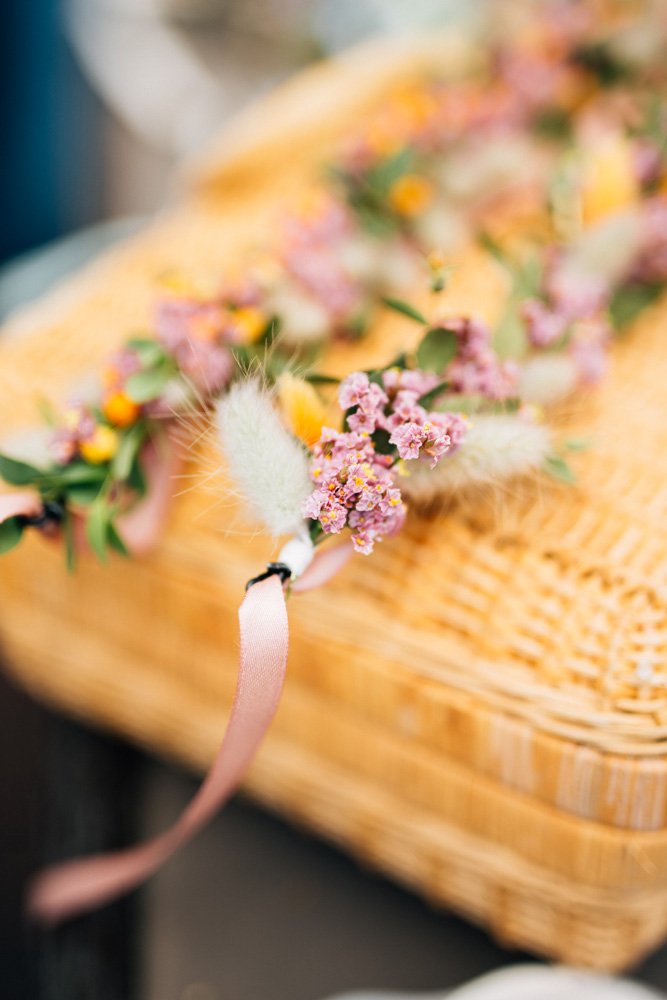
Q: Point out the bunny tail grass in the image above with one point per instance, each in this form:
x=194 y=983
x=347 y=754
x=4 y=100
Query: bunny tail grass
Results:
x=495 y=449
x=269 y=467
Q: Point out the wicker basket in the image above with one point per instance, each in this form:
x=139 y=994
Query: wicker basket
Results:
x=480 y=709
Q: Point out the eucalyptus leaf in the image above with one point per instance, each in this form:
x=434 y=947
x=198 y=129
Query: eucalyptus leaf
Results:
x=70 y=544
x=130 y=444
x=629 y=301
x=150 y=352
x=577 y=444
x=437 y=349
x=509 y=337
x=405 y=309
x=17 y=473
x=429 y=398
x=11 y=532
x=316 y=379
x=115 y=541
x=385 y=175
x=76 y=473
x=83 y=494
x=97 y=527
x=380 y=439
x=144 y=386
x=136 y=479
x=491 y=245
x=558 y=468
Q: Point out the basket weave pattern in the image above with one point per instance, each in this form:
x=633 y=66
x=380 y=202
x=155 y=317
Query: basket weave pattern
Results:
x=480 y=709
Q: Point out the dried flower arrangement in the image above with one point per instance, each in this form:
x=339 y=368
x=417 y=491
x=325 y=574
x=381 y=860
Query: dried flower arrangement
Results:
x=459 y=409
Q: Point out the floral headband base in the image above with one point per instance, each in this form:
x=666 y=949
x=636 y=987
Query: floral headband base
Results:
x=315 y=456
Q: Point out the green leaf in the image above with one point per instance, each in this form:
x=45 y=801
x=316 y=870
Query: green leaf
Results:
x=509 y=337
x=316 y=379
x=430 y=397
x=11 y=532
x=130 y=443
x=488 y=243
x=385 y=175
x=70 y=545
x=405 y=309
x=19 y=473
x=380 y=439
x=97 y=527
x=136 y=479
x=83 y=494
x=437 y=349
x=150 y=352
x=630 y=300
x=558 y=468
x=577 y=444
x=114 y=540
x=144 y=386
x=553 y=123
x=76 y=473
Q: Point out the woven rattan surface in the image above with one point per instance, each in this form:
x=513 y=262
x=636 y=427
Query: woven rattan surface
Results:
x=480 y=707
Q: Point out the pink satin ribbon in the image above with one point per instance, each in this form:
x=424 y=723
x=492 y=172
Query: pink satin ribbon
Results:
x=24 y=504
x=75 y=887
x=141 y=526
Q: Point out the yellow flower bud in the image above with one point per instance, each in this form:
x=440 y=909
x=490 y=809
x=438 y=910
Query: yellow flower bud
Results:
x=410 y=194
x=250 y=323
x=120 y=410
x=610 y=180
x=302 y=408
x=101 y=447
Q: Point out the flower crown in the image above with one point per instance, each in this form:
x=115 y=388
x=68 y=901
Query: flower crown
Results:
x=460 y=407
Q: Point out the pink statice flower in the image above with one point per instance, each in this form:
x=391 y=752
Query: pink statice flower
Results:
x=589 y=350
x=574 y=294
x=366 y=399
x=319 y=272
x=647 y=160
x=651 y=263
x=311 y=235
x=194 y=333
x=78 y=426
x=477 y=369
x=354 y=488
x=544 y=325
x=354 y=482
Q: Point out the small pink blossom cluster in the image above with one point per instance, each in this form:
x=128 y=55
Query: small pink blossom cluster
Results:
x=354 y=488
x=194 y=333
x=78 y=428
x=651 y=263
x=309 y=255
x=394 y=407
x=476 y=369
x=544 y=325
x=589 y=349
x=354 y=484
x=570 y=296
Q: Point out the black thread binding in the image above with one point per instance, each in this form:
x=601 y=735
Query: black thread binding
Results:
x=51 y=513
x=273 y=569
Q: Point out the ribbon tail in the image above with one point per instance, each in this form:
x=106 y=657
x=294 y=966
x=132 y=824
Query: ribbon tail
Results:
x=25 y=503
x=75 y=887
x=140 y=527
x=324 y=566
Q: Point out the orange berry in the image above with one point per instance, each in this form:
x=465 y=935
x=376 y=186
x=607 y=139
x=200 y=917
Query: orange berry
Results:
x=120 y=410
x=410 y=194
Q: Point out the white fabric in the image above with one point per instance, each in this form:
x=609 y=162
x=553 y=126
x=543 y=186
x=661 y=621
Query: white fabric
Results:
x=530 y=982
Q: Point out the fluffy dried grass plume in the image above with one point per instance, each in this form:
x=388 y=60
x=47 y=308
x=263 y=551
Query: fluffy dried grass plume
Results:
x=269 y=467
x=496 y=449
x=547 y=378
